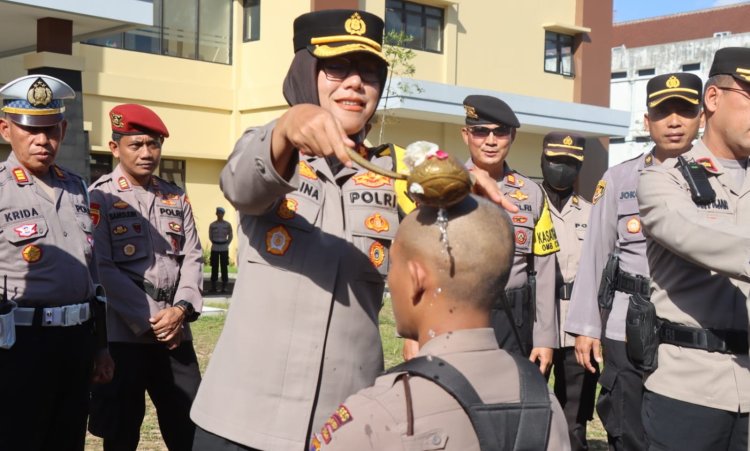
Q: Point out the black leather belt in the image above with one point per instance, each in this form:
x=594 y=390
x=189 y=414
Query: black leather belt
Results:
x=565 y=290
x=165 y=295
x=633 y=284
x=712 y=340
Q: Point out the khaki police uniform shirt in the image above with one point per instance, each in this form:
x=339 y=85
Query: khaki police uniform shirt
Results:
x=570 y=225
x=614 y=224
x=46 y=244
x=144 y=233
x=220 y=234
x=302 y=331
x=528 y=196
x=376 y=417
x=700 y=260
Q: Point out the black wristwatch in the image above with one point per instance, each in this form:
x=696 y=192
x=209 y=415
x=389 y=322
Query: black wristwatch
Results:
x=190 y=314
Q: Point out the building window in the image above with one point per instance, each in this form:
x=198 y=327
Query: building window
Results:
x=558 y=53
x=618 y=75
x=193 y=29
x=692 y=67
x=99 y=164
x=646 y=72
x=173 y=171
x=251 y=14
x=423 y=23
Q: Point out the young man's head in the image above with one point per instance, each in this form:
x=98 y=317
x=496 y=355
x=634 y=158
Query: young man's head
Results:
x=219 y=213
x=137 y=136
x=443 y=289
x=33 y=119
x=727 y=104
x=339 y=65
x=562 y=158
x=673 y=115
x=489 y=132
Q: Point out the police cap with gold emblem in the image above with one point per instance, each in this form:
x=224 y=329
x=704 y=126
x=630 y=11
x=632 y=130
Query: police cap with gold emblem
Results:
x=679 y=85
x=134 y=119
x=335 y=32
x=482 y=109
x=36 y=100
x=734 y=61
x=561 y=144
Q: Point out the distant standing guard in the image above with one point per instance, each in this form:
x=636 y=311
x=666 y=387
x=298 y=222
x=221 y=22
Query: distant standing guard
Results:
x=220 y=234
x=50 y=347
x=150 y=260
x=575 y=388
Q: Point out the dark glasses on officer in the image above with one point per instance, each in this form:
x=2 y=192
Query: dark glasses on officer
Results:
x=479 y=131
x=337 y=69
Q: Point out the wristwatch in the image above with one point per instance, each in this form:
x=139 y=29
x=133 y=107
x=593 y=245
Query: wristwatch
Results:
x=190 y=314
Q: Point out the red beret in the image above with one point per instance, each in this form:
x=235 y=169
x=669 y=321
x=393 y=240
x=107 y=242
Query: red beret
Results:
x=132 y=119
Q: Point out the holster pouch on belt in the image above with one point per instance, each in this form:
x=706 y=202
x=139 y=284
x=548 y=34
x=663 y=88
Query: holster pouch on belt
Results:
x=7 y=325
x=518 y=301
x=608 y=283
x=642 y=333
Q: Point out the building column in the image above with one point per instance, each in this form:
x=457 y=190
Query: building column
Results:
x=54 y=57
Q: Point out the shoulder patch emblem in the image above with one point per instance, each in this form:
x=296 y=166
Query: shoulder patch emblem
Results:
x=575 y=200
x=377 y=223
x=287 y=208
x=371 y=179
x=128 y=249
x=120 y=204
x=26 y=230
x=20 y=175
x=122 y=182
x=377 y=254
x=32 y=253
x=94 y=213
x=278 y=240
x=599 y=192
x=634 y=225
x=708 y=164
x=306 y=171
x=119 y=230
x=518 y=194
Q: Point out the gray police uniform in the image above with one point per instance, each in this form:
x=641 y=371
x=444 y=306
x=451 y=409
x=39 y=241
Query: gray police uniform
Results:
x=376 y=417
x=614 y=224
x=530 y=200
x=149 y=257
x=701 y=278
x=220 y=235
x=302 y=331
x=46 y=244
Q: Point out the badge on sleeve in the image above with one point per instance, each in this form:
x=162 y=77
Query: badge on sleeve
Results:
x=32 y=253
x=545 y=238
x=278 y=240
x=634 y=225
x=377 y=254
x=339 y=418
x=599 y=192
x=128 y=249
x=94 y=213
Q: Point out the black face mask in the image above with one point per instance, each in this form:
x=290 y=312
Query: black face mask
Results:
x=558 y=175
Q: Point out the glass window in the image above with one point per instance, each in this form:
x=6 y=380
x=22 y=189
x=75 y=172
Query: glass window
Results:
x=99 y=164
x=194 y=29
x=558 y=53
x=251 y=20
x=423 y=23
x=173 y=171
x=617 y=75
x=646 y=72
x=692 y=67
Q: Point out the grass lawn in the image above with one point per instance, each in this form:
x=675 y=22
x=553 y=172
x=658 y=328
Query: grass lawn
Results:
x=205 y=334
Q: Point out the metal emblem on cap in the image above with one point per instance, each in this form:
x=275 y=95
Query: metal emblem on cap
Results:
x=355 y=25
x=39 y=93
x=471 y=112
x=117 y=120
x=568 y=141
x=673 y=82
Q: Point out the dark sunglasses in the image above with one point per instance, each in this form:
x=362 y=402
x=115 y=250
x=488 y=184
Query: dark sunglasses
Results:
x=337 y=69
x=484 y=132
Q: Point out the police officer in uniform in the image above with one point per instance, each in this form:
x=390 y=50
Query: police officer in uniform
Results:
x=220 y=234
x=150 y=260
x=448 y=313
x=49 y=345
x=575 y=388
x=489 y=132
x=615 y=235
x=698 y=397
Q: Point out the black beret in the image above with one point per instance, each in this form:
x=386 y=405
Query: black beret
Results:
x=558 y=144
x=681 y=85
x=734 y=61
x=335 y=32
x=488 y=110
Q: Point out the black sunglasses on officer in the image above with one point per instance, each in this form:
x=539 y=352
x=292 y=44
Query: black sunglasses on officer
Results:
x=370 y=70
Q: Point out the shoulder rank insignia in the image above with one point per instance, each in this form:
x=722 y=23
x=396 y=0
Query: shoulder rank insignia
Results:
x=122 y=182
x=20 y=175
x=708 y=164
x=599 y=192
x=519 y=195
x=287 y=208
x=371 y=180
x=649 y=160
x=377 y=223
x=31 y=253
x=575 y=200
x=121 y=204
x=94 y=213
x=306 y=171
x=377 y=254
x=634 y=225
x=58 y=172
x=511 y=179
x=278 y=240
